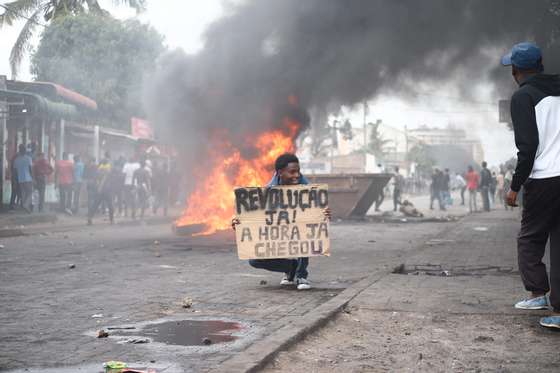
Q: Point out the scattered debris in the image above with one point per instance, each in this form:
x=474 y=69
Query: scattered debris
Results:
x=65 y=236
x=481 y=229
x=187 y=302
x=263 y=282
x=102 y=334
x=484 y=338
x=156 y=242
x=1 y=246
x=158 y=255
x=102 y=245
x=420 y=356
x=114 y=365
x=121 y=327
x=206 y=341
x=138 y=341
x=371 y=241
x=71 y=266
x=408 y=209
x=97 y=316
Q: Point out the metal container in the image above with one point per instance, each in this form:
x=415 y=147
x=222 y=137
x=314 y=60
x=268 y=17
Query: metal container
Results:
x=351 y=195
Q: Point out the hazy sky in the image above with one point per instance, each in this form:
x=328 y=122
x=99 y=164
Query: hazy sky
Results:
x=183 y=22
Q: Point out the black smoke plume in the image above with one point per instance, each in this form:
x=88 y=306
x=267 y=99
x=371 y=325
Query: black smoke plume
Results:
x=333 y=52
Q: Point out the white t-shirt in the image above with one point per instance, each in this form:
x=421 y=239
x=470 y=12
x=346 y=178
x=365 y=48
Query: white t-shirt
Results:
x=128 y=170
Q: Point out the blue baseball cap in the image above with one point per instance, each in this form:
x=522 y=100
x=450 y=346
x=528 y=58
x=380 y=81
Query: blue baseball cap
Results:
x=526 y=56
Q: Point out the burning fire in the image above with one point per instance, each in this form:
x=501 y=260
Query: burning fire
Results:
x=212 y=202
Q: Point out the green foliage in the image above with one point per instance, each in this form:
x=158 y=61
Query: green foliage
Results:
x=33 y=11
x=100 y=57
x=420 y=154
x=376 y=144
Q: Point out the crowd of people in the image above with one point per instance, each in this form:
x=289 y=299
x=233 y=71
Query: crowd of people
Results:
x=490 y=185
x=131 y=185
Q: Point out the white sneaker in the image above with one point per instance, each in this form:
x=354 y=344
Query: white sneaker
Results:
x=303 y=284
x=286 y=281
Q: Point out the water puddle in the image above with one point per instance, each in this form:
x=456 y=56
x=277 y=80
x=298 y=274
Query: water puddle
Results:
x=188 y=332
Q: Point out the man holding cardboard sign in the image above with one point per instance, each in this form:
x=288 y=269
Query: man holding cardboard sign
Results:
x=279 y=227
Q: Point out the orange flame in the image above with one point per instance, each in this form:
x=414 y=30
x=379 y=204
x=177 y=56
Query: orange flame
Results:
x=212 y=202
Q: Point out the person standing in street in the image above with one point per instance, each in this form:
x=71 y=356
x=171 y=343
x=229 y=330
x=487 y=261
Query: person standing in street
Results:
x=108 y=181
x=129 y=191
x=508 y=176
x=78 y=182
x=500 y=187
x=142 y=180
x=472 y=186
x=64 y=178
x=493 y=187
x=90 y=178
x=15 y=196
x=535 y=113
x=42 y=169
x=462 y=186
x=446 y=187
x=484 y=186
x=24 y=175
x=160 y=187
x=398 y=185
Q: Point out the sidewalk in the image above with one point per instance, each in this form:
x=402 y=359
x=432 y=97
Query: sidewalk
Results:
x=15 y=223
x=420 y=320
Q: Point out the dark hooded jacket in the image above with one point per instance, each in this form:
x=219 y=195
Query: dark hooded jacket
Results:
x=535 y=113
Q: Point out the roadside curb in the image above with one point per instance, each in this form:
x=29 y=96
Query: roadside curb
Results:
x=259 y=354
x=33 y=229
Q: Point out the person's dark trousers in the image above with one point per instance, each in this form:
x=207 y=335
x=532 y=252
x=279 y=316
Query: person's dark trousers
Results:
x=485 y=198
x=161 y=199
x=91 y=189
x=379 y=200
x=294 y=268
x=396 y=198
x=41 y=185
x=26 y=190
x=463 y=195
x=539 y=222
x=15 y=197
x=129 y=195
x=65 y=192
x=77 y=190
x=102 y=197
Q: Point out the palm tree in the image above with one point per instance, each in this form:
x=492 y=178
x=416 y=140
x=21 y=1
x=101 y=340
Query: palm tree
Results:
x=41 y=12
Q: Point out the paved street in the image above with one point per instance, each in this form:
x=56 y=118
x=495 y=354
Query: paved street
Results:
x=136 y=274
x=60 y=288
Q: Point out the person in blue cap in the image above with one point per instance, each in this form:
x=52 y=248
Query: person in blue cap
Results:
x=535 y=114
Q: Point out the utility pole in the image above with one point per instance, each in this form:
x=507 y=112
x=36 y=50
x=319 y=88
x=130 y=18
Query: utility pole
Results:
x=366 y=112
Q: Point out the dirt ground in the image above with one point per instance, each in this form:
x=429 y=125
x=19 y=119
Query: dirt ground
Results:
x=389 y=341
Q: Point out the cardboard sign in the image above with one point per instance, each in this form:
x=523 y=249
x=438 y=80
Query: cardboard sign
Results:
x=282 y=221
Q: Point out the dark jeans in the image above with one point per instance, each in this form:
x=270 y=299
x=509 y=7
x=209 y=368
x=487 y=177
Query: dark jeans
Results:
x=41 y=185
x=292 y=267
x=437 y=195
x=102 y=197
x=396 y=198
x=540 y=222
x=484 y=192
x=65 y=192
x=15 y=197
x=161 y=199
x=463 y=195
x=26 y=190
x=77 y=189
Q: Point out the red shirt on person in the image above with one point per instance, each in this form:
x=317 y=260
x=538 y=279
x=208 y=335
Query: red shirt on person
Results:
x=472 y=180
x=65 y=172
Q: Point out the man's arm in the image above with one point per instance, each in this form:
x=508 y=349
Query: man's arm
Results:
x=526 y=137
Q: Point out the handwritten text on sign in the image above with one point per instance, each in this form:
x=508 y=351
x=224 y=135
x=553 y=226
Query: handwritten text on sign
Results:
x=282 y=221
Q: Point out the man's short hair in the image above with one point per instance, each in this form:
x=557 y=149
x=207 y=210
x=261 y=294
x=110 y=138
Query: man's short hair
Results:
x=283 y=160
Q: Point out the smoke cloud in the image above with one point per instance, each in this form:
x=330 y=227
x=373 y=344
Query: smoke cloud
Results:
x=329 y=53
